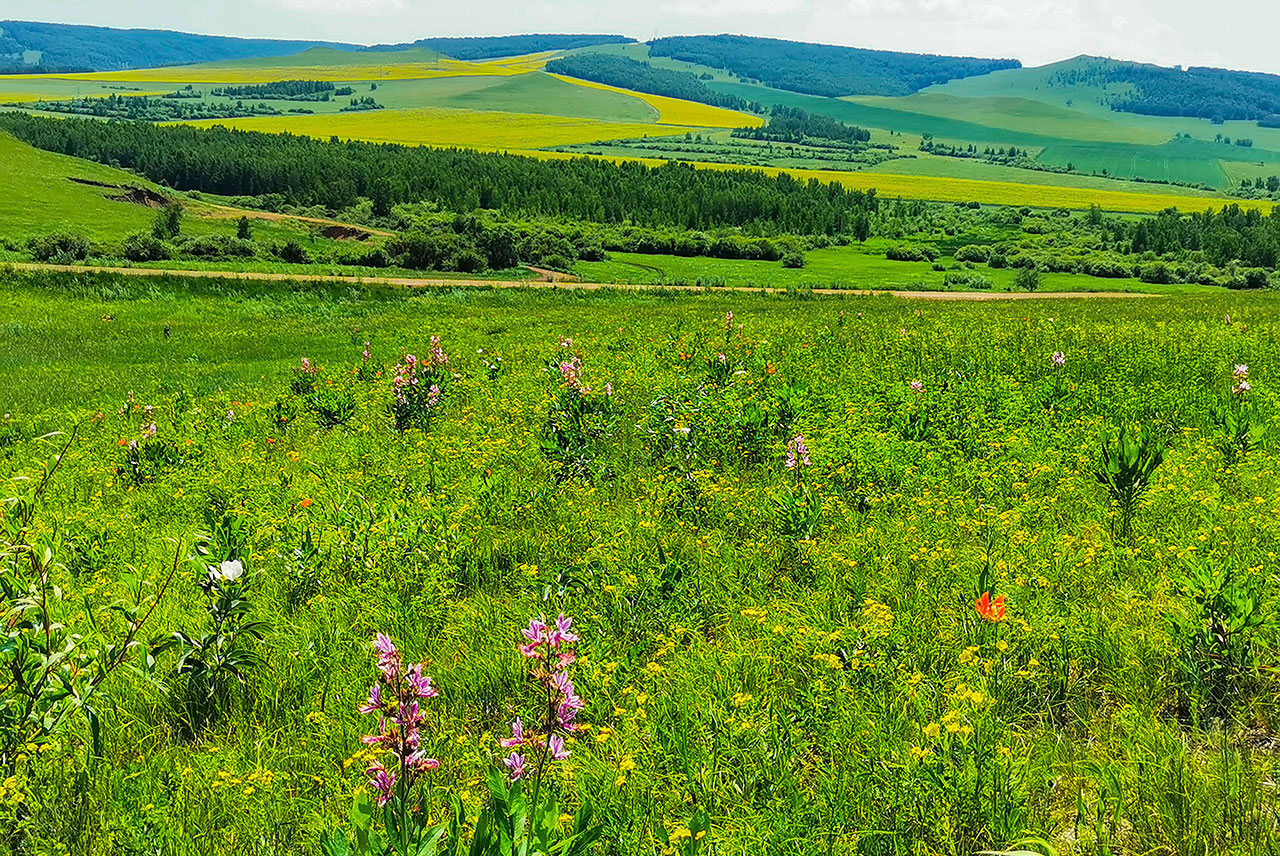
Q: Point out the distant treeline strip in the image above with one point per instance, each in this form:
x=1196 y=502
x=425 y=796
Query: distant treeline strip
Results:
x=335 y=174
x=823 y=69
x=489 y=47
x=627 y=73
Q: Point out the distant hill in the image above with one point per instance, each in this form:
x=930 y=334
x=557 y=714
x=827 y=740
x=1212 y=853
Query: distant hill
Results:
x=628 y=73
x=27 y=46
x=828 y=70
x=488 y=47
x=1207 y=93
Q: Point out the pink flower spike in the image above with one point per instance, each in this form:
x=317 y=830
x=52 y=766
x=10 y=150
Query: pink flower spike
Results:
x=383 y=645
x=515 y=764
x=374 y=703
x=517 y=736
x=536 y=631
x=420 y=762
x=420 y=683
x=382 y=781
x=563 y=629
x=557 y=748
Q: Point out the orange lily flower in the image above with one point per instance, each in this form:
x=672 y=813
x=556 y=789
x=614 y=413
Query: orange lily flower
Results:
x=991 y=610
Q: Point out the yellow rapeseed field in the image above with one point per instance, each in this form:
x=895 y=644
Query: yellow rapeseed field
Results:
x=674 y=111
x=526 y=62
x=442 y=127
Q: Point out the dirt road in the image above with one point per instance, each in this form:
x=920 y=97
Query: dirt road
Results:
x=405 y=282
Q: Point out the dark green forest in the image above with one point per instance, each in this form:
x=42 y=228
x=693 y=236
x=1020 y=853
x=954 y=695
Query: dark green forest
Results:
x=824 y=69
x=305 y=171
x=793 y=125
x=642 y=77
x=1217 y=94
x=71 y=47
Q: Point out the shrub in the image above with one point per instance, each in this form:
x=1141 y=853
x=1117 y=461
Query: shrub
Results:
x=1155 y=272
x=362 y=255
x=213 y=247
x=1027 y=279
x=292 y=252
x=793 y=261
x=60 y=248
x=144 y=247
x=470 y=261
x=168 y=222
x=967 y=280
x=912 y=253
x=973 y=253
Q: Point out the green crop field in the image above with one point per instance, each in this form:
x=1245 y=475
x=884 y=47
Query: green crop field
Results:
x=839 y=268
x=771 y=521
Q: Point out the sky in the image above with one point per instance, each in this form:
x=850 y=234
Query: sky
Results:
x=1232 y=33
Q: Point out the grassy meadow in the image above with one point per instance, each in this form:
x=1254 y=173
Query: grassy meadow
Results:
x=793 y=653
x=854 y=268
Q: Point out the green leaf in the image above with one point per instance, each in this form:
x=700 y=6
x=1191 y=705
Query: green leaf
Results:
x=362 y=820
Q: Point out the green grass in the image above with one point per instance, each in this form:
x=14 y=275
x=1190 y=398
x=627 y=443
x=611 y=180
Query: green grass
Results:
x=1011 y=108
x=537 y=92
x=38 y=196
x=822 y=691
x=1019 y=114
x=1185 y=161
x=839 y=267
x=925 y=164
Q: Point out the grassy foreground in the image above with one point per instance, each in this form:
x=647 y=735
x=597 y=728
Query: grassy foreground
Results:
x=794 y=651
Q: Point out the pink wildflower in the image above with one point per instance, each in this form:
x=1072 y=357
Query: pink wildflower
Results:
x=798 y=453
x=1059 y=359
x=382 y=780
x=917 y=387
x=517 y=735
x=515 y=763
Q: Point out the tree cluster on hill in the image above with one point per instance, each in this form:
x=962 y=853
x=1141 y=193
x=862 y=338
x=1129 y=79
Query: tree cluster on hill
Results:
x=334 y=174
x=163 y=109
x=823 y=69
x=284 y=90
x=793 y=125
x=360 y=104
x=71 y=47
x=1217 y=94
x=488 y=47
x=627 y=73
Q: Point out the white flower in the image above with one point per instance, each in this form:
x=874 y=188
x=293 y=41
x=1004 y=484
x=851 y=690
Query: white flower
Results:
x=228 y=572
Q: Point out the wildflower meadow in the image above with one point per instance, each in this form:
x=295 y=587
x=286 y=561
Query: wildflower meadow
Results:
x=329 y=570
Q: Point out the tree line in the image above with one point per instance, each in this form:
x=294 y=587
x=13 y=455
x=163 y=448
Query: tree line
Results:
x=1217 y=94
x=824 y=69
x=335 y=174
x=627 y=73
x=284 y=90
x=796 y=126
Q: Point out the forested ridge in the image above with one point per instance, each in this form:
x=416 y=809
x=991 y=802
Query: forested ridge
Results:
x=335 y=174
x=72 y=47
x=824 y=69
x=1206 y=93
x=627 y=73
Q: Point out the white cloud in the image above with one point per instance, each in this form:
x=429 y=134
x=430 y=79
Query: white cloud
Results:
x=337 y=7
